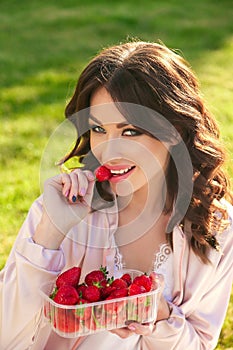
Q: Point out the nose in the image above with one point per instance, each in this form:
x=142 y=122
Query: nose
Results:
x=111 y=149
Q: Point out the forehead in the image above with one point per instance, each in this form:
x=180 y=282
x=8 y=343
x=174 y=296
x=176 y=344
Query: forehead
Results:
x=103 y=108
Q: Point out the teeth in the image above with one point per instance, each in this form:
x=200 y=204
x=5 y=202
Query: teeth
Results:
x=120 y=172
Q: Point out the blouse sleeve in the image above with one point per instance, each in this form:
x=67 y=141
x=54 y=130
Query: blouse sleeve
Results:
x=29 y=266
x=196 y=323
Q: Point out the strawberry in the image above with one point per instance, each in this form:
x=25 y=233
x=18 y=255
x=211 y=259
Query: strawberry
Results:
x=83 y=313
x=127 y=278
x=119 y=283
x=80 y=289
x=91 y=293
x=96 y=319
x=115 y=311
x=103 y=174
x=140 y=309
x=106 y=291
x=70 y=277
x=136 y=289
x=110 y=315
x=96 y=277
x=144 y=281
x=66 y=295
x=102 y=284
x=148 y=303
x=47 y=310
x=65 y=321
x=118 y=293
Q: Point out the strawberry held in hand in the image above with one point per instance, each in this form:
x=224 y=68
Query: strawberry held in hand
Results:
x=103 y=174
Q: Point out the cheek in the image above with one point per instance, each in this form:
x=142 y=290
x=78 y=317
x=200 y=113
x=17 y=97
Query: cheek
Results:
x=123 y=188
x=162 y=155
x=94 y=145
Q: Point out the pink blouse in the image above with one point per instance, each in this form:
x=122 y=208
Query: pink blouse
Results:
x=199 y=297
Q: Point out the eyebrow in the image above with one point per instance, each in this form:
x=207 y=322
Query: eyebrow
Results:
x=118 y=125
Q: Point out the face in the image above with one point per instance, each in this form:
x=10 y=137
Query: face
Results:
x=134 y=157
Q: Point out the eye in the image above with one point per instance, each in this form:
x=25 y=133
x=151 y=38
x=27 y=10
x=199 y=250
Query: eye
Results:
x=98 y=129
x=131 y=132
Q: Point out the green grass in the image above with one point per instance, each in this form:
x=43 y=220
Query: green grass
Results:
x=44 y=46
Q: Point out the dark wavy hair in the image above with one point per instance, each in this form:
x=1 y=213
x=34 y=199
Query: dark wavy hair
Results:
x=151 y=75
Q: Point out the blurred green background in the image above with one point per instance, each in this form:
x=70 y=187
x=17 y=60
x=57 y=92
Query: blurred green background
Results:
x=45 y=44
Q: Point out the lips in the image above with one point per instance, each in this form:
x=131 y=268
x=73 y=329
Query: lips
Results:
x=120 y=172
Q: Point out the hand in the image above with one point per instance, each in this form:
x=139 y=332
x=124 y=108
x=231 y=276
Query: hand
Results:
x=164 y=310
x=67 y=198
x=147 y=328
x=134 y=328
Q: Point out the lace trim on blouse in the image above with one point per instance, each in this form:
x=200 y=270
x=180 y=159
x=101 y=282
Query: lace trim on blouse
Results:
x=118 y=261
x=162 y=256
x=162 y=264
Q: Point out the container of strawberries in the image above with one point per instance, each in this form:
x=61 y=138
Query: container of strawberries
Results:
x=99 y=303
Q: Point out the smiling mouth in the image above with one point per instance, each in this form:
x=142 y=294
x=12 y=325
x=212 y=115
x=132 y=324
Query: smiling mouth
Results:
x=121 y=171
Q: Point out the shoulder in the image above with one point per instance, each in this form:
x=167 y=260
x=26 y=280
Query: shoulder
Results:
x=229 y=230
x=33 y=217
x=225 y=238
x=36 y=209
x=229 y=208
x=37 y=205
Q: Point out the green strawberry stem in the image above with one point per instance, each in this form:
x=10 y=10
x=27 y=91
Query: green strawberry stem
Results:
x=54 y=292
x=104 y=270
x=94 y=318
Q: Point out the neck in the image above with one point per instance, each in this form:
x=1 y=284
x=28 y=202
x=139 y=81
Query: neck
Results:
x=148 y=200
x=139 y=214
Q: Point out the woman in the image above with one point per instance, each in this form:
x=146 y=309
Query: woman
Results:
x=166 y=207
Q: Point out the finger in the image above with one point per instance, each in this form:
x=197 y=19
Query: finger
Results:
x=157 y=280
x=90 y=176
x=66 y=184
x=82 y=183
x=86 y=177
x=142 y=329
x=122 y=332
x=89 y=193
x=79 y=185
x=73 y=187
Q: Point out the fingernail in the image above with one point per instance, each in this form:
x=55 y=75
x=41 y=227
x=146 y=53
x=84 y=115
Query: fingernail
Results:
x=67 y=193
x=132 y=328
x=82 y=191
x=74 y=198
x=91 y=177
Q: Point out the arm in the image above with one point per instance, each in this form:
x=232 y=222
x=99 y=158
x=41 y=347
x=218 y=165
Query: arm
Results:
x=28 y=266
x=197 y=322
x=193 y=321
x=37 y=258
